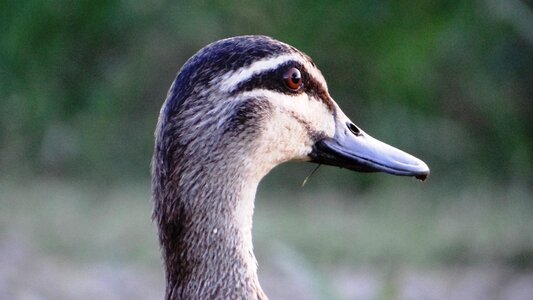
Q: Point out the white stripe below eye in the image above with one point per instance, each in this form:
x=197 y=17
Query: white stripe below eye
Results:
x=313 y=110
x=232 y=80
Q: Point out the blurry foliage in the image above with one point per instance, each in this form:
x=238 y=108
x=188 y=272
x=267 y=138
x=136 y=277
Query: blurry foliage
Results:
x=81 y=82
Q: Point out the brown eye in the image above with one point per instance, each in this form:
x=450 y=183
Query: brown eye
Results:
x=293 y=79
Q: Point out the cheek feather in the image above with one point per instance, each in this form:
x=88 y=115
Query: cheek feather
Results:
x=305 y=109
x=295 y=124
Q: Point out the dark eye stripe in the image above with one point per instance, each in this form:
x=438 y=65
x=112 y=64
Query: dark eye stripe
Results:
x=273 y=80
x=316 y=90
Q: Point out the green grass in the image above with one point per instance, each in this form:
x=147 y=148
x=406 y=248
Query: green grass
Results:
x=80 y=221
x=306 y=235
x=400 y=225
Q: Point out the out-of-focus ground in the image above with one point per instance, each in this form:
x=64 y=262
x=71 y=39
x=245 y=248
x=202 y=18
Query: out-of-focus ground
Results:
x=78 y=240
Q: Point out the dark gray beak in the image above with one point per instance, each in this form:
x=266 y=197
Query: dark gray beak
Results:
x=353 y=149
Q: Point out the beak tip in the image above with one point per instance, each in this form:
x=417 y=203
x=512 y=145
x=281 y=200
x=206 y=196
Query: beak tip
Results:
x=422 y=177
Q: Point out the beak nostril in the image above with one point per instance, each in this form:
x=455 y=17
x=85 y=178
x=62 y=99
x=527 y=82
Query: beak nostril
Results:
x=354 y=129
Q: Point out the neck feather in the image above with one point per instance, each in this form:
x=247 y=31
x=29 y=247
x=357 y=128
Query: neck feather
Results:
x=206 y=234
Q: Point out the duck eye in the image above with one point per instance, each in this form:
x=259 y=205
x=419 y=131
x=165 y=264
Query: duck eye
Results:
x=293 y=79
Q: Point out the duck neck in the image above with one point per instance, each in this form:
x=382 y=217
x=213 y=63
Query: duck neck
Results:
x=206 y=236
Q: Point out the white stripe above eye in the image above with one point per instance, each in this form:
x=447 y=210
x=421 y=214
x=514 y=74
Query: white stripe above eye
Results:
x=231 y=81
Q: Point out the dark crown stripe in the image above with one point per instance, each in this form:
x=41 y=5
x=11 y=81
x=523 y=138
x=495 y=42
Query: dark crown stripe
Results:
x=217 y=59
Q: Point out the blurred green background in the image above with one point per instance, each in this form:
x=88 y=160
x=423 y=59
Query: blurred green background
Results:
x=81 y=84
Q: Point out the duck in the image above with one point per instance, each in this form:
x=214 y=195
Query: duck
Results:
x=238 y=108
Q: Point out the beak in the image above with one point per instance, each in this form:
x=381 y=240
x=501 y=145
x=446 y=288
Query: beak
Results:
x=354 y=149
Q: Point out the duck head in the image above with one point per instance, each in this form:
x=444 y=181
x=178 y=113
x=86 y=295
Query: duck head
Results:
x=265 y=100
